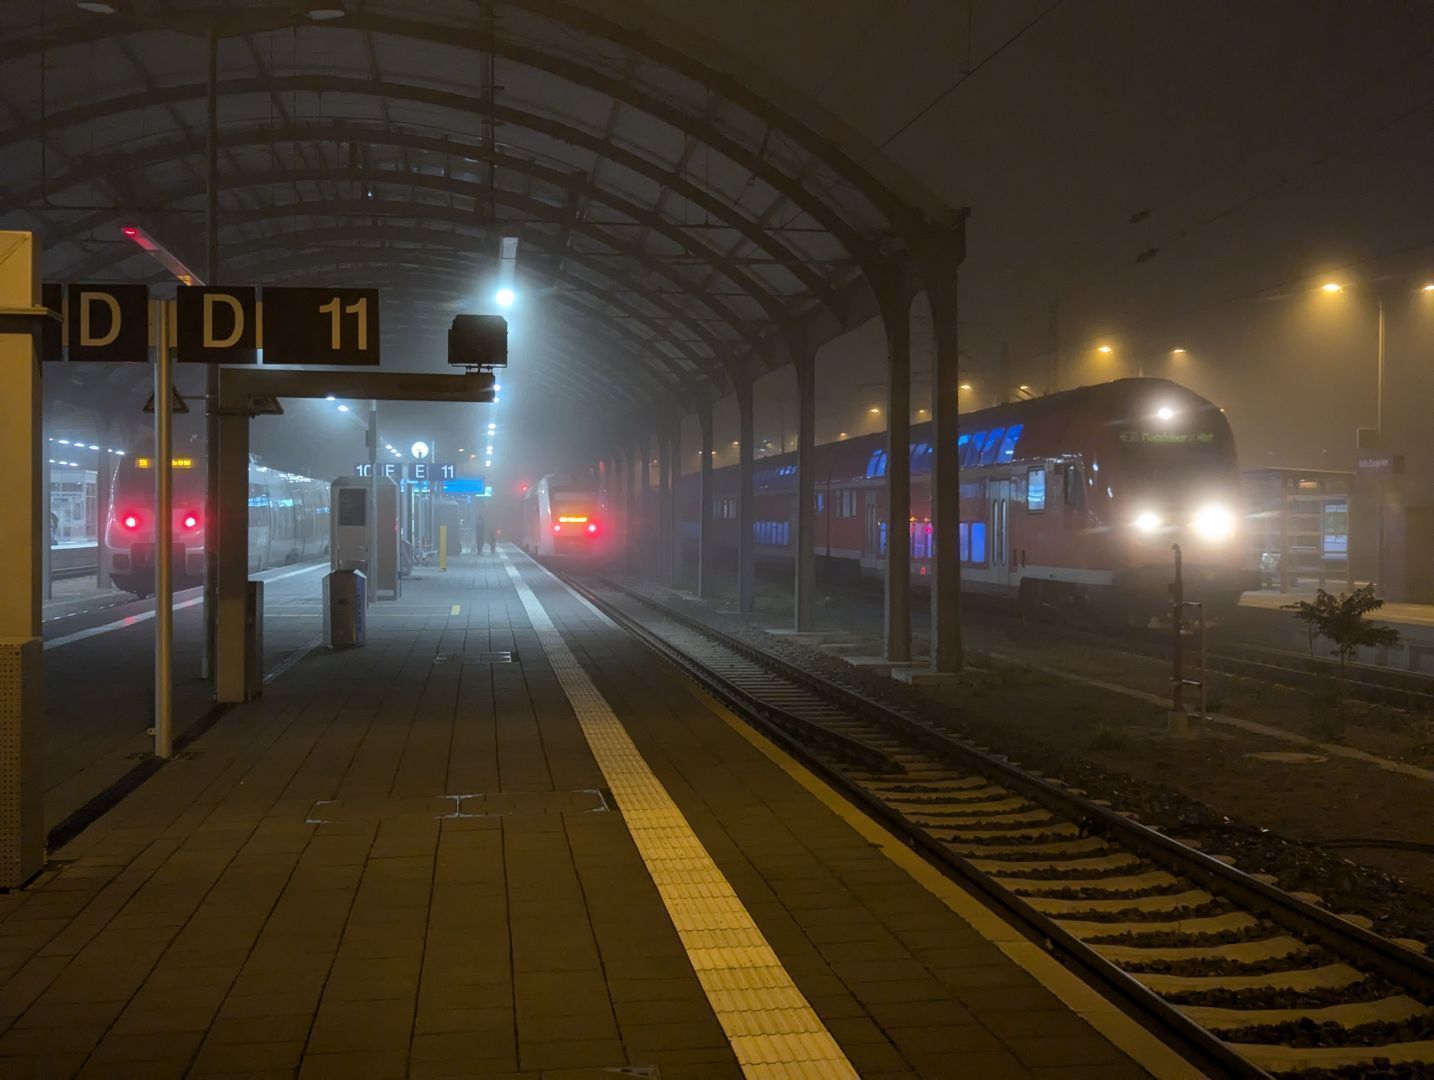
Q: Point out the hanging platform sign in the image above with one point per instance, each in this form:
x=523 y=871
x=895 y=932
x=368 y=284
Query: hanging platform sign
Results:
x=417 y=471
x=217 y=325
x=320 y=326
x=108 y=323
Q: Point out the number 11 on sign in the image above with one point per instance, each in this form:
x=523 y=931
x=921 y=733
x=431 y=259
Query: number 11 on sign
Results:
x=335 y=309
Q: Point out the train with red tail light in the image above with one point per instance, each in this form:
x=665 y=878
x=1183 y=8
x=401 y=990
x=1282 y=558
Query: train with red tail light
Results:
x=563 y=517
x=1072 y=501
x=288 y=520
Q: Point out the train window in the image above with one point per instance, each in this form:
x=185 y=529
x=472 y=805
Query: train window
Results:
x=875 y=464
x=1075 y=487
x=1036 y=489
x=1008 y=444
x=921 y=539
x=991 y=445
x=846 y=503
x=962 y=441
x=821 y=497
x=972 y=452
x=965 y=545
x=978 y=541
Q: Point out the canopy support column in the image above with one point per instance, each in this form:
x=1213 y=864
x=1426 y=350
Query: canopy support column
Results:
x=940 y=257
x=896 y=320
x=640 y=550
x=231 y=518
x=706 y=543
x=674 y=509
x=804 y=360
x=664 y=507
x=746 y=503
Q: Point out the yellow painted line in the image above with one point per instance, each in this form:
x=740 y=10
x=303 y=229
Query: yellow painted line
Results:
x=456 y=609
x=772 y=1028
x=1085 y=1001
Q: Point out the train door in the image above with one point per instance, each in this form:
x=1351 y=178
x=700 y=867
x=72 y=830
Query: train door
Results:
x=871 y=534
x=999 y=495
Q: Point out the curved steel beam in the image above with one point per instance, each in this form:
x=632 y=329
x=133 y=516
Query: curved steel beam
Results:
x=618 y=89
x=534 y=209
x=413 y=180
x=754 y=232
x=438 y=282
x=424 y=257
x=896 y=209
x=532 y=240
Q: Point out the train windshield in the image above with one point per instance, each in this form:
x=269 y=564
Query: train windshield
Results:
x=1170 y=449
x=576 y=500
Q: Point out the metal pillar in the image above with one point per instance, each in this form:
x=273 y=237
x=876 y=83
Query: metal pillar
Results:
x=23 y=532
x=163 y=540
x=804 y=361
x=104 y=500
x=896 y=319
x=1381 y=586
x=940 y=258
x=232 y=563
x=674 y=511
x=746 y=504
x=706 y=545
x=664 y=513
x=644 y=509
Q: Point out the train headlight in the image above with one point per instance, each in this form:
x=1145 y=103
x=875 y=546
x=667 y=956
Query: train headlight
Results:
x=1147 y=521
x=1214 y=522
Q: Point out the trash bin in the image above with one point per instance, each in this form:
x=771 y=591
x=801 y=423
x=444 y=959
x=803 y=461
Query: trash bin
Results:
x=344 y=608
x=254 y=640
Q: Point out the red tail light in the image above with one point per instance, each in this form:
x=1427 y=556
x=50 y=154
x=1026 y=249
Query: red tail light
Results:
x=557 y=528
x=130 y=521
x=191 y=520
x=592 y=526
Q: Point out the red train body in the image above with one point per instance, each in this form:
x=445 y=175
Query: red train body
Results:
x=1074 y=499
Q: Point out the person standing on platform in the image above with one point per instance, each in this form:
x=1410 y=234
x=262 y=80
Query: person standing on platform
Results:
x=480 y=532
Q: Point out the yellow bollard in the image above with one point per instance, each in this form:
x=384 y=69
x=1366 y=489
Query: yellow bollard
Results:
x=443 y=549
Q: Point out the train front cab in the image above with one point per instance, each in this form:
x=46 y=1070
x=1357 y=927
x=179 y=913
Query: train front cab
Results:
x=130 y=529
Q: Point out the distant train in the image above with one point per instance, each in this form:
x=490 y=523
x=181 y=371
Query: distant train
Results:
x=562 y=517
x=1072 y=500
x=288 y=521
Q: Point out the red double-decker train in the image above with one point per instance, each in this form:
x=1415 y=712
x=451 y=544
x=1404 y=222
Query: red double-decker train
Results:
x=1073 y=500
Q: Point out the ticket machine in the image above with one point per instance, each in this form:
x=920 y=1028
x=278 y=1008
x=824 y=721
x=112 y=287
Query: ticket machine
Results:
x=348 y=548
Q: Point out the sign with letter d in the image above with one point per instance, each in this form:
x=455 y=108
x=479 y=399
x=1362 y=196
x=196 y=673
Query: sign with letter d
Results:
x=108 y=323
x=216 y=325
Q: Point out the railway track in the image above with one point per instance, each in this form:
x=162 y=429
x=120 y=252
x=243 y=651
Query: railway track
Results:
x=1250 y=660
x=1241 y=977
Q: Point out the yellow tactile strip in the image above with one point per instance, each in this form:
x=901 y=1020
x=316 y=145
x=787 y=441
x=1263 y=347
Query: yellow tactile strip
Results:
x=773 y=1030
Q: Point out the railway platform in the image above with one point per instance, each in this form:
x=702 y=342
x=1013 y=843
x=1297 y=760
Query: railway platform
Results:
x=1262 y=611
x=504 y=840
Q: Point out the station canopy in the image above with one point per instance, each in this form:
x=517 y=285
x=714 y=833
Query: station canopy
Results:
x=676 y=217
